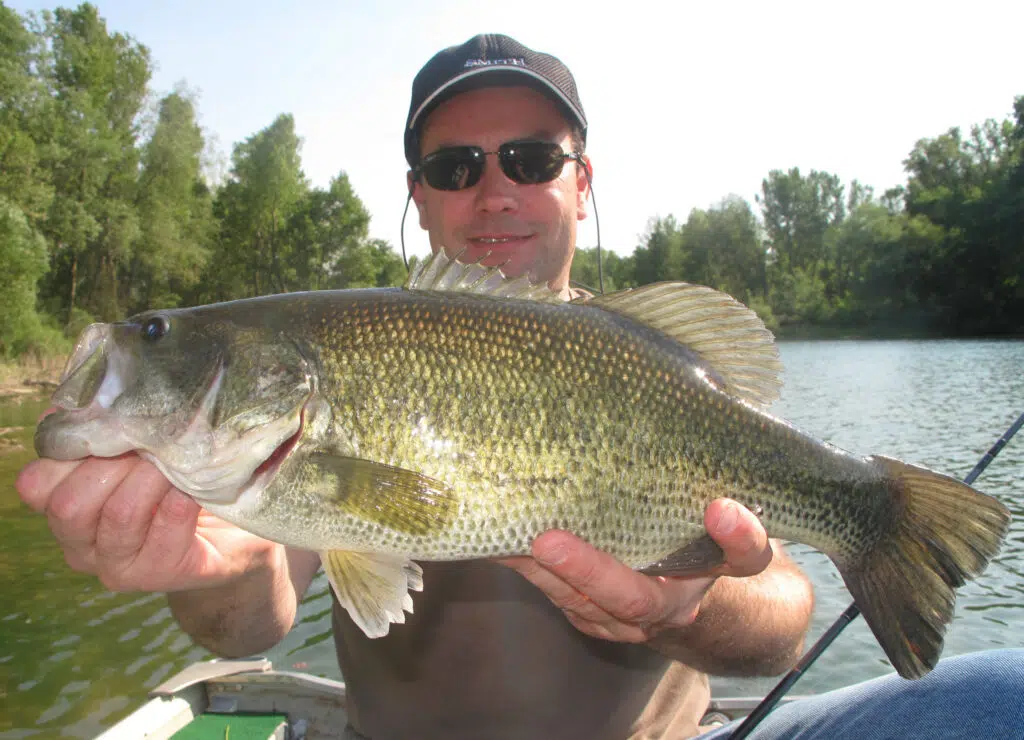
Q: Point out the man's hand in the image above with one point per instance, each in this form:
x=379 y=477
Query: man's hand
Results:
x=120 y=519
x=606 y=599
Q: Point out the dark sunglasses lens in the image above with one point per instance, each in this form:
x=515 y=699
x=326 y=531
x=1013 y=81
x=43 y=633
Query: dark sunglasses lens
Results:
x=454 y=169
x=532 y=162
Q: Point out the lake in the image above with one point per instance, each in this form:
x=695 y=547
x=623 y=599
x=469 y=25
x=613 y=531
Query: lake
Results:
x=75 y=658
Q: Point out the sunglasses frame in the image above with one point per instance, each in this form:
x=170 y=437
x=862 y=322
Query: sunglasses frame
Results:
x=478 y=157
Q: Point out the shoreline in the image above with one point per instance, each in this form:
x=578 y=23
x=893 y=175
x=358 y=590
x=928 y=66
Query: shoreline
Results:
x=29 y=380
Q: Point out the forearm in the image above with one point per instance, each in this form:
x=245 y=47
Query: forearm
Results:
x=747 y=626
x=251 y=613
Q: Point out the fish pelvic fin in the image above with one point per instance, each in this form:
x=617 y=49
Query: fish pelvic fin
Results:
x=731 y=338
x=373 y=589
x=943 y=534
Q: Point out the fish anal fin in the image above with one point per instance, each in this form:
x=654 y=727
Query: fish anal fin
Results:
x=399 y=499
x=699 y=557
x=728 y=336
x=373 y=588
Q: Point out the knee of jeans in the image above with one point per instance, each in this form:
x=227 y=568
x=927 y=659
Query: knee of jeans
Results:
x=985 y=670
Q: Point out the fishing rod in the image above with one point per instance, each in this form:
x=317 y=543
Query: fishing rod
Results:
x=852 y=612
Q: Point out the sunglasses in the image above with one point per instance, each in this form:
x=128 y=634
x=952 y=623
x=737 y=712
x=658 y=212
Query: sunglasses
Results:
x=523 y=162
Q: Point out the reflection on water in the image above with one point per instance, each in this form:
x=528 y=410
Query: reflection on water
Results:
x=75 y=658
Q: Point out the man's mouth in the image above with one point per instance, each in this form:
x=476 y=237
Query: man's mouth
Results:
x=496 y=239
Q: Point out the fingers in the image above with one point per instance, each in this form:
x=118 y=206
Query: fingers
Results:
x=577 y=606
x=118 y=518
x=741 y=536
x=74 y=505
x=128 y=512
x=603 y=597
x=37 y=481
x=166 y=554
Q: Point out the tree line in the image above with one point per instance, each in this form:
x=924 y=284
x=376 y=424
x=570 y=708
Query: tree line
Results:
x=941 y=255
x=108 y=207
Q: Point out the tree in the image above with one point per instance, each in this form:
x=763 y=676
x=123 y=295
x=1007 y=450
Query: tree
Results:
x=721 y=248
x=174 y=209
x=22 y=262
x=965 y=188
x=23 y=109
x=658 y=255
x=325 y=233
x=265 y=189
x=798 y=212
x=98 y=82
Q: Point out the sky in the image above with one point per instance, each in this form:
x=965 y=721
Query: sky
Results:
x=687 y=103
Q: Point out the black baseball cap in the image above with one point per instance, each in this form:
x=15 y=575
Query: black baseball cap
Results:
x=487 y=60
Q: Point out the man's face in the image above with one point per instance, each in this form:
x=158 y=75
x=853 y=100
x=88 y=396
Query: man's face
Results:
x=528 y=228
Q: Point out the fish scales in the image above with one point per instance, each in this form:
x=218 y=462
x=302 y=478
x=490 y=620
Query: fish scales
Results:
x=634 y=444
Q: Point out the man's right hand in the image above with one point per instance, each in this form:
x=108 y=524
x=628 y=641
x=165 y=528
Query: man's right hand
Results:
x=120 y=519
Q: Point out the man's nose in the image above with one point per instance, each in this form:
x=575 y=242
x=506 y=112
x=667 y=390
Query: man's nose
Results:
x=495 y=192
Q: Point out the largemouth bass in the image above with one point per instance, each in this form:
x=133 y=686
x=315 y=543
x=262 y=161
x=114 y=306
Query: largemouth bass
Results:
x=464 y=414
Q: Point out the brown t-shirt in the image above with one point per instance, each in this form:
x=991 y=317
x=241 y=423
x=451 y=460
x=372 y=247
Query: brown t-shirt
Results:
x=486 y=655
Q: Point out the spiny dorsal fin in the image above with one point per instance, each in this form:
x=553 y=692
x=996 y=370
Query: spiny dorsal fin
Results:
x=727 y=335
x=439 y=273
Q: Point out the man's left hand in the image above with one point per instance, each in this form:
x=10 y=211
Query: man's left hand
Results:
x=604 y=598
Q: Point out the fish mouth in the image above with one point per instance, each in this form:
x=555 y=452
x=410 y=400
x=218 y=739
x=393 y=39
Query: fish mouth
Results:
x=92 y=380
x=267 y=469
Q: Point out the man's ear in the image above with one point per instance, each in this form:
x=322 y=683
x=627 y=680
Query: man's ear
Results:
x=416 y=193
x=584 y=175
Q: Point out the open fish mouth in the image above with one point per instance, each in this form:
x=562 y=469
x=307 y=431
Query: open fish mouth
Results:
x=92 y=380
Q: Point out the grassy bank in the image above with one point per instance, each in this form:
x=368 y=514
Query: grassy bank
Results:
x=29 y=375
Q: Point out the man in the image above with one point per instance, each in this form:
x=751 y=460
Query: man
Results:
x=581 y=646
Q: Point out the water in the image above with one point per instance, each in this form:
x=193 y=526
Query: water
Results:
x=75 y=659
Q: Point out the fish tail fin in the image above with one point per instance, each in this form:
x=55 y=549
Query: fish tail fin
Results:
x=942 y=534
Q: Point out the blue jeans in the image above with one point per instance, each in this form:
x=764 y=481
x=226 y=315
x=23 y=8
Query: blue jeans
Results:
x=978 y=695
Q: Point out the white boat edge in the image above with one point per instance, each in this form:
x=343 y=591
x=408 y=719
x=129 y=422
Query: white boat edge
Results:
x=315 y=706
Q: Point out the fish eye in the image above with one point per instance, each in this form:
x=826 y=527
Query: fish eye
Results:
x=155 y=328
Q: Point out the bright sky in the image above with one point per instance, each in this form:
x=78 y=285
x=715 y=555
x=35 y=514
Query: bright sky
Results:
x=687 y=102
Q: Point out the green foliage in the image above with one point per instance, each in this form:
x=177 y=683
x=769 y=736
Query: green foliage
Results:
x=117 y=194
x=22 y=263
x=618 y=270
x=943 y=254
x=175 y=210
x=110 y=204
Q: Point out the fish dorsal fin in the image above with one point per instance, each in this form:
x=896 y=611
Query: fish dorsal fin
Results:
x=440 y=273
x=727 y=335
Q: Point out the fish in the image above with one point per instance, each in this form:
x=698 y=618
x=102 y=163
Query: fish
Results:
x=463 y=414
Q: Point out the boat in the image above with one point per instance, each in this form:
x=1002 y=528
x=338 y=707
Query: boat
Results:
x=209 y=698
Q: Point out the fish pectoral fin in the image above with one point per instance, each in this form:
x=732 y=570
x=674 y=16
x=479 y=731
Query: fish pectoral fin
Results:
x=700 y=556
x=373 y=588
x=402 y=500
